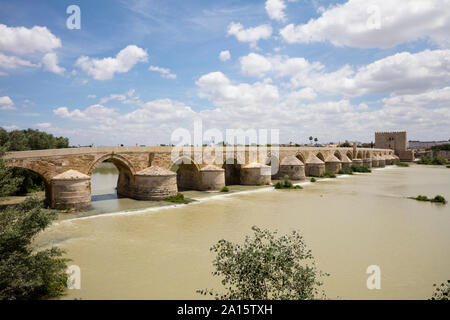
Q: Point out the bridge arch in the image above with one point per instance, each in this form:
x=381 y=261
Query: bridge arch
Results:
x=188 y=173
x=350 y=155
x=320 y=156
x=232 y=171
x=125 y=168
x=300 y=156
x=338 y=155
x=359 y=155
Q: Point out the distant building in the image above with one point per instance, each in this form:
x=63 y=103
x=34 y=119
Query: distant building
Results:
x=395 y=141
x=423 y=145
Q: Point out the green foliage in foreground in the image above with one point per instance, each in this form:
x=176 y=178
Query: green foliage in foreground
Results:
x=313 y=179
x=402 y=164
x=436 y=199
x=9 y=183
x=436 y=160
x=179 y=198
x=441 y=292
x=346 y=171
x=225 y=189
x=286 y=184
x=441 y=147
x=266 y=267
x=328 y=174
x=364 y=169
x=24 y=273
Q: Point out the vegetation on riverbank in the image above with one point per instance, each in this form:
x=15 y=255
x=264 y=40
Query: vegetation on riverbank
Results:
x=441 y=292
x=286 y=184
x=436 y=199
x=363 y=169
x=402 y=164
x=327 y=174
x=313 y=179
x=266 y=267
x=24 y=273
x=225 y=189
x=346 y=171
x=179 y=198
x=435 y=160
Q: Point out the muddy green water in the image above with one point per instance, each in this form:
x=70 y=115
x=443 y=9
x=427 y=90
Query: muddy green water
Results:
x=128 y=249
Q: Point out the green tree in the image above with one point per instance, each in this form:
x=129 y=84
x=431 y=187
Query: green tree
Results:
x=442 y=292
x=266 y=267
x=315 y=140
x=310 y=139
x=24 y=273
x=9 y=183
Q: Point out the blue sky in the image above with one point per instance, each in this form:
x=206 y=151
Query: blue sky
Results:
x=137 y=70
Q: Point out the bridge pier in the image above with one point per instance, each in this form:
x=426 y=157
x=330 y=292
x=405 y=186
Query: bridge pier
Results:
x=333 y=164
x=292 y=167
x=314 y=166
x=70 y=189
x=154 y=183
x=256 y=174
x=212 y=178
x=367 y=162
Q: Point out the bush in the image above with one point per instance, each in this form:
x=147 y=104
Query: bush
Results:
x=266 y=267
x=402 y=164
x=225 y=189
x=24 y=273
x=364 y=169
x=286 y=184
x=346 y=171
x=328 y=174
x=436 y=160
x=442 y=292
x=436 y=199
x=179 y=198
x=313 y=179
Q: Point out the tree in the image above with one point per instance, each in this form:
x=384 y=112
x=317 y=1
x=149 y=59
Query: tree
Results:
x=25 y=274
x=310 y=139
x=266 y=267
x=9 y=183
x=315 y=140
x=441 y=292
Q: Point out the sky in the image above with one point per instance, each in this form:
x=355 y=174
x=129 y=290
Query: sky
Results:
x=134 y=71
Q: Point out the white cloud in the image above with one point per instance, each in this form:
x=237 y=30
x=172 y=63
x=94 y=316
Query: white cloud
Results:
x=11 y=127
x=50 y=61
x=6 y=103
x=275 y=10
x=104 y=69
x=250 y=35
x=376 y=24
x=224 y=55
x=439 y=97
x=43 y=125
x=397 y=74
x=12 y=62
x=95 y=113
x=92 y=96
x=165 y=73
x=23 y=40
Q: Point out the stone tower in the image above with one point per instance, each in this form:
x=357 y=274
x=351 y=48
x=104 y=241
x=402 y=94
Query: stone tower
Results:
x=396 y=141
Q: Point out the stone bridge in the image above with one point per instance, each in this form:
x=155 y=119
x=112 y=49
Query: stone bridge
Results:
x=155 y=173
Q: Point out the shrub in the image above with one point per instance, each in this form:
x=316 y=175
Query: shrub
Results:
x=286 y=184
x=436 y=160
x=436 y=199
x=442 y=292
x=346 y=171
x=25 y=273
x=266 y=267
x=328 y=174
x=179 y=198
x=313 y=179
x=356 y=168
x=225 y=189
x=402 y=164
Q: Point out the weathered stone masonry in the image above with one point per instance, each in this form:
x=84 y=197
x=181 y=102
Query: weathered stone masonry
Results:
x=149 y=173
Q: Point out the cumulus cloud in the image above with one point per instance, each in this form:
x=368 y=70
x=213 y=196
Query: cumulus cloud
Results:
x=250 y=35
x=439 y=97
x=12 y=62
x=6 y=103
x=43 y=125
x=224 y=55
x=95 y=113
x=24 y=40
x=275 y=10
x=104 y=69
x=50 y=62
x=397 y=74
x=375 y=24
x=165 y=73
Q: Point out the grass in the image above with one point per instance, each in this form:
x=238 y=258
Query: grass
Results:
x=436 y=199
x=179 y=198
x=225 y=189
x=346 y=171
x=313 y=180
x=328 y=174
x=448 y=166
x=286 y=184
x=402 y=164
x=364 y=169
x=436 y=160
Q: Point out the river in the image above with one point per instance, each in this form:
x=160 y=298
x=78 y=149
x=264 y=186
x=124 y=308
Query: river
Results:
x=128 y=249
